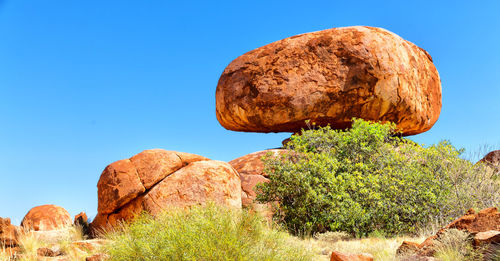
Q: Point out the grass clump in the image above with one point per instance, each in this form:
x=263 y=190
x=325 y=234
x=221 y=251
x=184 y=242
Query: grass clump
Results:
x=454 y=245
x=366 y=180
x=202 y=233
x=332 y=236
x=382 y=249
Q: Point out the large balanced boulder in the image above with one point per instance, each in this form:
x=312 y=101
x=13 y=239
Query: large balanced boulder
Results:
x=329 y=77
x=155 y=180
x=46 y=218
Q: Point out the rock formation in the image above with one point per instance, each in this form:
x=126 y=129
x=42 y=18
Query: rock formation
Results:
x=492 y=159
x=251 y=170
x=154 y=180
x=329 y=77
x=45 y=218
x=9 y=236
x=483 y=226
x=337 y=256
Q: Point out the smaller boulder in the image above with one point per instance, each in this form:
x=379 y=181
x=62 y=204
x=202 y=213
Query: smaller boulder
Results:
x=8 y=234
x=337 y=256
x=251 y=171
x=492 y=159
x=47 y=252
x=91 y=245
x=46 y=218
x=487 y=237
x=155 y=180
x=407 y=248
x=80 y=219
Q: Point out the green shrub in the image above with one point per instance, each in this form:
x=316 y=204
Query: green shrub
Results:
x=367 y=179
x=202 y=233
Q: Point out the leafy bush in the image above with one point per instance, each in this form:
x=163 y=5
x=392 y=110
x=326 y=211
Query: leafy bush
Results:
x=367 y=179
x=203 y=233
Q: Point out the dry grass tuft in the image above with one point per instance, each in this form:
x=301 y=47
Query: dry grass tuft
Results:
x=383 y=249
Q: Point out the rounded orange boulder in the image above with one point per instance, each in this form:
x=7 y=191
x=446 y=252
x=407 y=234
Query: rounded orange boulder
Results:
x=155 y=180
x=492 y=159
x=329 y=77
x=46 y=217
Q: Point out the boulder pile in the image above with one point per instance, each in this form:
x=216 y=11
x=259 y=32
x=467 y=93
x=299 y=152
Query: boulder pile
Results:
x=327 y=77
x=154 y=180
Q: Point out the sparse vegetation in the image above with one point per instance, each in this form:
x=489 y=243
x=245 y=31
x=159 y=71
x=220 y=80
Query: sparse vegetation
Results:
x=454 y=245
x=366 y=179
x=57 y=240
x=203 y=233
x=382 y=249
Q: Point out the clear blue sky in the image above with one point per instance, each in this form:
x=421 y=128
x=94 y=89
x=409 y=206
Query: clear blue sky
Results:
x=86 y=83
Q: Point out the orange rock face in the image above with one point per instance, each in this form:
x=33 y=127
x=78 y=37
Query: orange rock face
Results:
x=329 y=77
x=45 y=218
x=484 y=225
x=80 y=219
x=485 y=220
x=492 y=159
x=251 y=170
x=154 y=180
x=124 y=180
x=8 y=234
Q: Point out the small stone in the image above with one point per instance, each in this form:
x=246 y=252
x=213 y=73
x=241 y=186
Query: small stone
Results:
x=337 y=256
x=44 y=251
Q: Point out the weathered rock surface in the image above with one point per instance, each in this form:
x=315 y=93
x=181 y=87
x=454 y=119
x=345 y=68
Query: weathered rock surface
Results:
x=487 y=237
x=48 y=252
x=329 y=77
x=484 y=226
x=80 y=219
x=91 y=245
x=45 y=218
x=124 y=180
x=337 y=256
x=8 y=234
x=492 y=159
x=251 y=170
x=407 y=248
x=154 y=180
